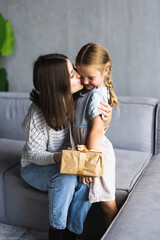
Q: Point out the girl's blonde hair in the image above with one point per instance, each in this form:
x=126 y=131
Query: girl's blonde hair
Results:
x=95 y=55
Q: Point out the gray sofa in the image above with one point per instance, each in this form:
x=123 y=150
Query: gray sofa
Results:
x=135 y=134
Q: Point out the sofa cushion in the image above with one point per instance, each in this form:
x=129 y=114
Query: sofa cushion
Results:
x=25 y=206
x=10 y=155
x=157 y=130
x=13 y=108
x=129 y=167
x=139 y=219
x=132 y=127
x=23 y=200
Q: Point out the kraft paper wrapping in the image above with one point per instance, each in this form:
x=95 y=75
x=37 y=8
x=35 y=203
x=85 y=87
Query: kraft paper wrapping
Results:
x=82 y=163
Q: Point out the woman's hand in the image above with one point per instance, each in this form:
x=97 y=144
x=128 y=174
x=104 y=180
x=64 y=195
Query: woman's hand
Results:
x=106 y=110
x=85 y=180
x=57 y=157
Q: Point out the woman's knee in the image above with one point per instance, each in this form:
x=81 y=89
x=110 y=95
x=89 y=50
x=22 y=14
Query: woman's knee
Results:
x=64 y=181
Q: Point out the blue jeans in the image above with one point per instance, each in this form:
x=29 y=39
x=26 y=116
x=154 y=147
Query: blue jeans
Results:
x=68 y=198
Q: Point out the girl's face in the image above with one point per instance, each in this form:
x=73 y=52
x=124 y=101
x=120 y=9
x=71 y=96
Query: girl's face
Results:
x=91 y=77
x=75 y=81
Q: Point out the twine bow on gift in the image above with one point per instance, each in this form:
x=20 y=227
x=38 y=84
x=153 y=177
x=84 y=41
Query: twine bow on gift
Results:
x=83 y=148
x=81 y=163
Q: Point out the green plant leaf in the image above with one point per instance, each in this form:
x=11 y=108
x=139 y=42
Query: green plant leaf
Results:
x=3 y=79
x=2 y=30
x=8 y=44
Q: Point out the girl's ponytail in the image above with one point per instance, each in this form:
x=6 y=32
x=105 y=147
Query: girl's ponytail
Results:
x=113 y=100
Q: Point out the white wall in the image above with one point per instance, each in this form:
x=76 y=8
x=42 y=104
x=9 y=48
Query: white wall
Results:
x=129 y=29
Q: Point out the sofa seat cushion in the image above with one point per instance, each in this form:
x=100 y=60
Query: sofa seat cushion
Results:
x=129 y=167
x=23 y=200
x=25 y=206
x=10 y=153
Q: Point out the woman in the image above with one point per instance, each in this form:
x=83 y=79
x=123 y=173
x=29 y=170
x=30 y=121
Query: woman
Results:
x=46 y=130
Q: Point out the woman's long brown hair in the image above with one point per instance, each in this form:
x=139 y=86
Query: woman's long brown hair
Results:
x=52 y=90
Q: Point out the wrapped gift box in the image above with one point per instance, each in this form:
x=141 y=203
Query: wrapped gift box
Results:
x=82 y=163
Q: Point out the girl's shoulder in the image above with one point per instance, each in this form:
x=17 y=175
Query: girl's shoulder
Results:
x=100 y=92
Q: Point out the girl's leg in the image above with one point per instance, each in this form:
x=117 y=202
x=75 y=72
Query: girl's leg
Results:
x=110 y=210
x=56 y=234
x=70 y=235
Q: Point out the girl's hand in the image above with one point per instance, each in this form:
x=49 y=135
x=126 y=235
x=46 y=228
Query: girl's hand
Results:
x=85 y=180
x=106 y=110
x=69 y=148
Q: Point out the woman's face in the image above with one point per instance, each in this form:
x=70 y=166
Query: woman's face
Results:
x=75 y=81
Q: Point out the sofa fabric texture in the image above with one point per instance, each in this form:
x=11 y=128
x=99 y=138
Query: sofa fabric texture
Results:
x=135 y=134
x=132 y=127
x=13 y=109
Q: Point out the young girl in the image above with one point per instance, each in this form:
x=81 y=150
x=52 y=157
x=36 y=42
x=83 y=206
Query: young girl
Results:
x=94 y=65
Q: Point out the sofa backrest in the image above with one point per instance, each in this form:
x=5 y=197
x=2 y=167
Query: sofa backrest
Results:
x=133 y=127
x=157 y=130
x=13 y=108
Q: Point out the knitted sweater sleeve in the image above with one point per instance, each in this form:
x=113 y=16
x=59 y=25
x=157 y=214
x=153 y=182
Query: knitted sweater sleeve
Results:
x=35 y=132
